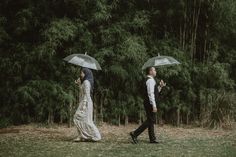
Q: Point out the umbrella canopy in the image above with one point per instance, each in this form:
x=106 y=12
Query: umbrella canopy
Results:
x=160 y=61
x=83 y=60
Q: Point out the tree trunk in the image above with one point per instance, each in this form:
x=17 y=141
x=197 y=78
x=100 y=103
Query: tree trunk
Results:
x=101 y=107
x=178 y=117
x=119 y=120
x=95 y=110
x=185 y=24
x=70 y=115
x=187 y=118
x=50 y=117
x=126 y=120
x=61 y=119
x=140 y=117
x=160 y=118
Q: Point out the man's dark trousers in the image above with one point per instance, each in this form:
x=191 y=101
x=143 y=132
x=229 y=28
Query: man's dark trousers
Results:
x=149 y=123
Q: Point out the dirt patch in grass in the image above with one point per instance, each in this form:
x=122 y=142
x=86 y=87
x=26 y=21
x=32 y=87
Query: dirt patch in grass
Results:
x=111 y=131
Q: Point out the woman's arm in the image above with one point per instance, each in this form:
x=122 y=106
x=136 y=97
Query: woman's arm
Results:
x=87 y=89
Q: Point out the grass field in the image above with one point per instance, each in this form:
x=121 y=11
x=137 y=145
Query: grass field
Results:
x=56 y=141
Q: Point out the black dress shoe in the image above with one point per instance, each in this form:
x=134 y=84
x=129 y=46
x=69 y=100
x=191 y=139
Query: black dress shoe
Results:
x=154 y=142
x=134 y=138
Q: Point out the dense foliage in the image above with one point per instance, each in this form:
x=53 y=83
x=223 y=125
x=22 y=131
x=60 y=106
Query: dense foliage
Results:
x=37 y=86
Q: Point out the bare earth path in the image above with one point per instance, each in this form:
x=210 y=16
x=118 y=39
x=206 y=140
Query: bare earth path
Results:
x=40 y=141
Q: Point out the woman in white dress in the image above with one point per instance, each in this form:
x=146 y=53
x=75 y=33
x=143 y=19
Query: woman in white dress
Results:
x=83 y=118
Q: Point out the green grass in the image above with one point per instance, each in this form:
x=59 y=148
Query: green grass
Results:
x=28 y=144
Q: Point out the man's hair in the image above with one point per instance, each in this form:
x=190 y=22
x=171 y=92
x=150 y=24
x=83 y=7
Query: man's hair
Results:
x=148 y=69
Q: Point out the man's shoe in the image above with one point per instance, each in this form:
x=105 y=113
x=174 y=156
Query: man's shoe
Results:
x=134 y=138
x=154 y=142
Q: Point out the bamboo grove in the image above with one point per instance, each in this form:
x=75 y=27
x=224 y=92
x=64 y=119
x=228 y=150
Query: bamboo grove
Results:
x=37 y=86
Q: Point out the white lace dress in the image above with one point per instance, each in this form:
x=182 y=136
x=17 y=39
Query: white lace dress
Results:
x=83 y=117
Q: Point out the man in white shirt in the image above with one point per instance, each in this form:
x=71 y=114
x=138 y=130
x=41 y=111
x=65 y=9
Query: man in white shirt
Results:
x=151 y=91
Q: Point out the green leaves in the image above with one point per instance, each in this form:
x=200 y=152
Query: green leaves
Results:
x=3 y=33
x=141 y=20
x=60 y=30
x=218 y=109
x=25 y=21
x=118 y=71
x=43 y=97
x=133 y=49
x=214 y=76
x=36 y=35
x=102 y=12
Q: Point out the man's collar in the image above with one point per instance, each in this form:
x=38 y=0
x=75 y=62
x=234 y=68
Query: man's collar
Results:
x=150 y=76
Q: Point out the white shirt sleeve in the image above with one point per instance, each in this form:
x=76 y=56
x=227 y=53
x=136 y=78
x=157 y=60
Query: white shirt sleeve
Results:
x=150 y=90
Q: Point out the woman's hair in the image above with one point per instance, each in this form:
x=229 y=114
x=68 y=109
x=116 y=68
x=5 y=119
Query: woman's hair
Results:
x=88 y=75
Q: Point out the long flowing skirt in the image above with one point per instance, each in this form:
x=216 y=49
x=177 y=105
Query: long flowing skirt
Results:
x=83 y=119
